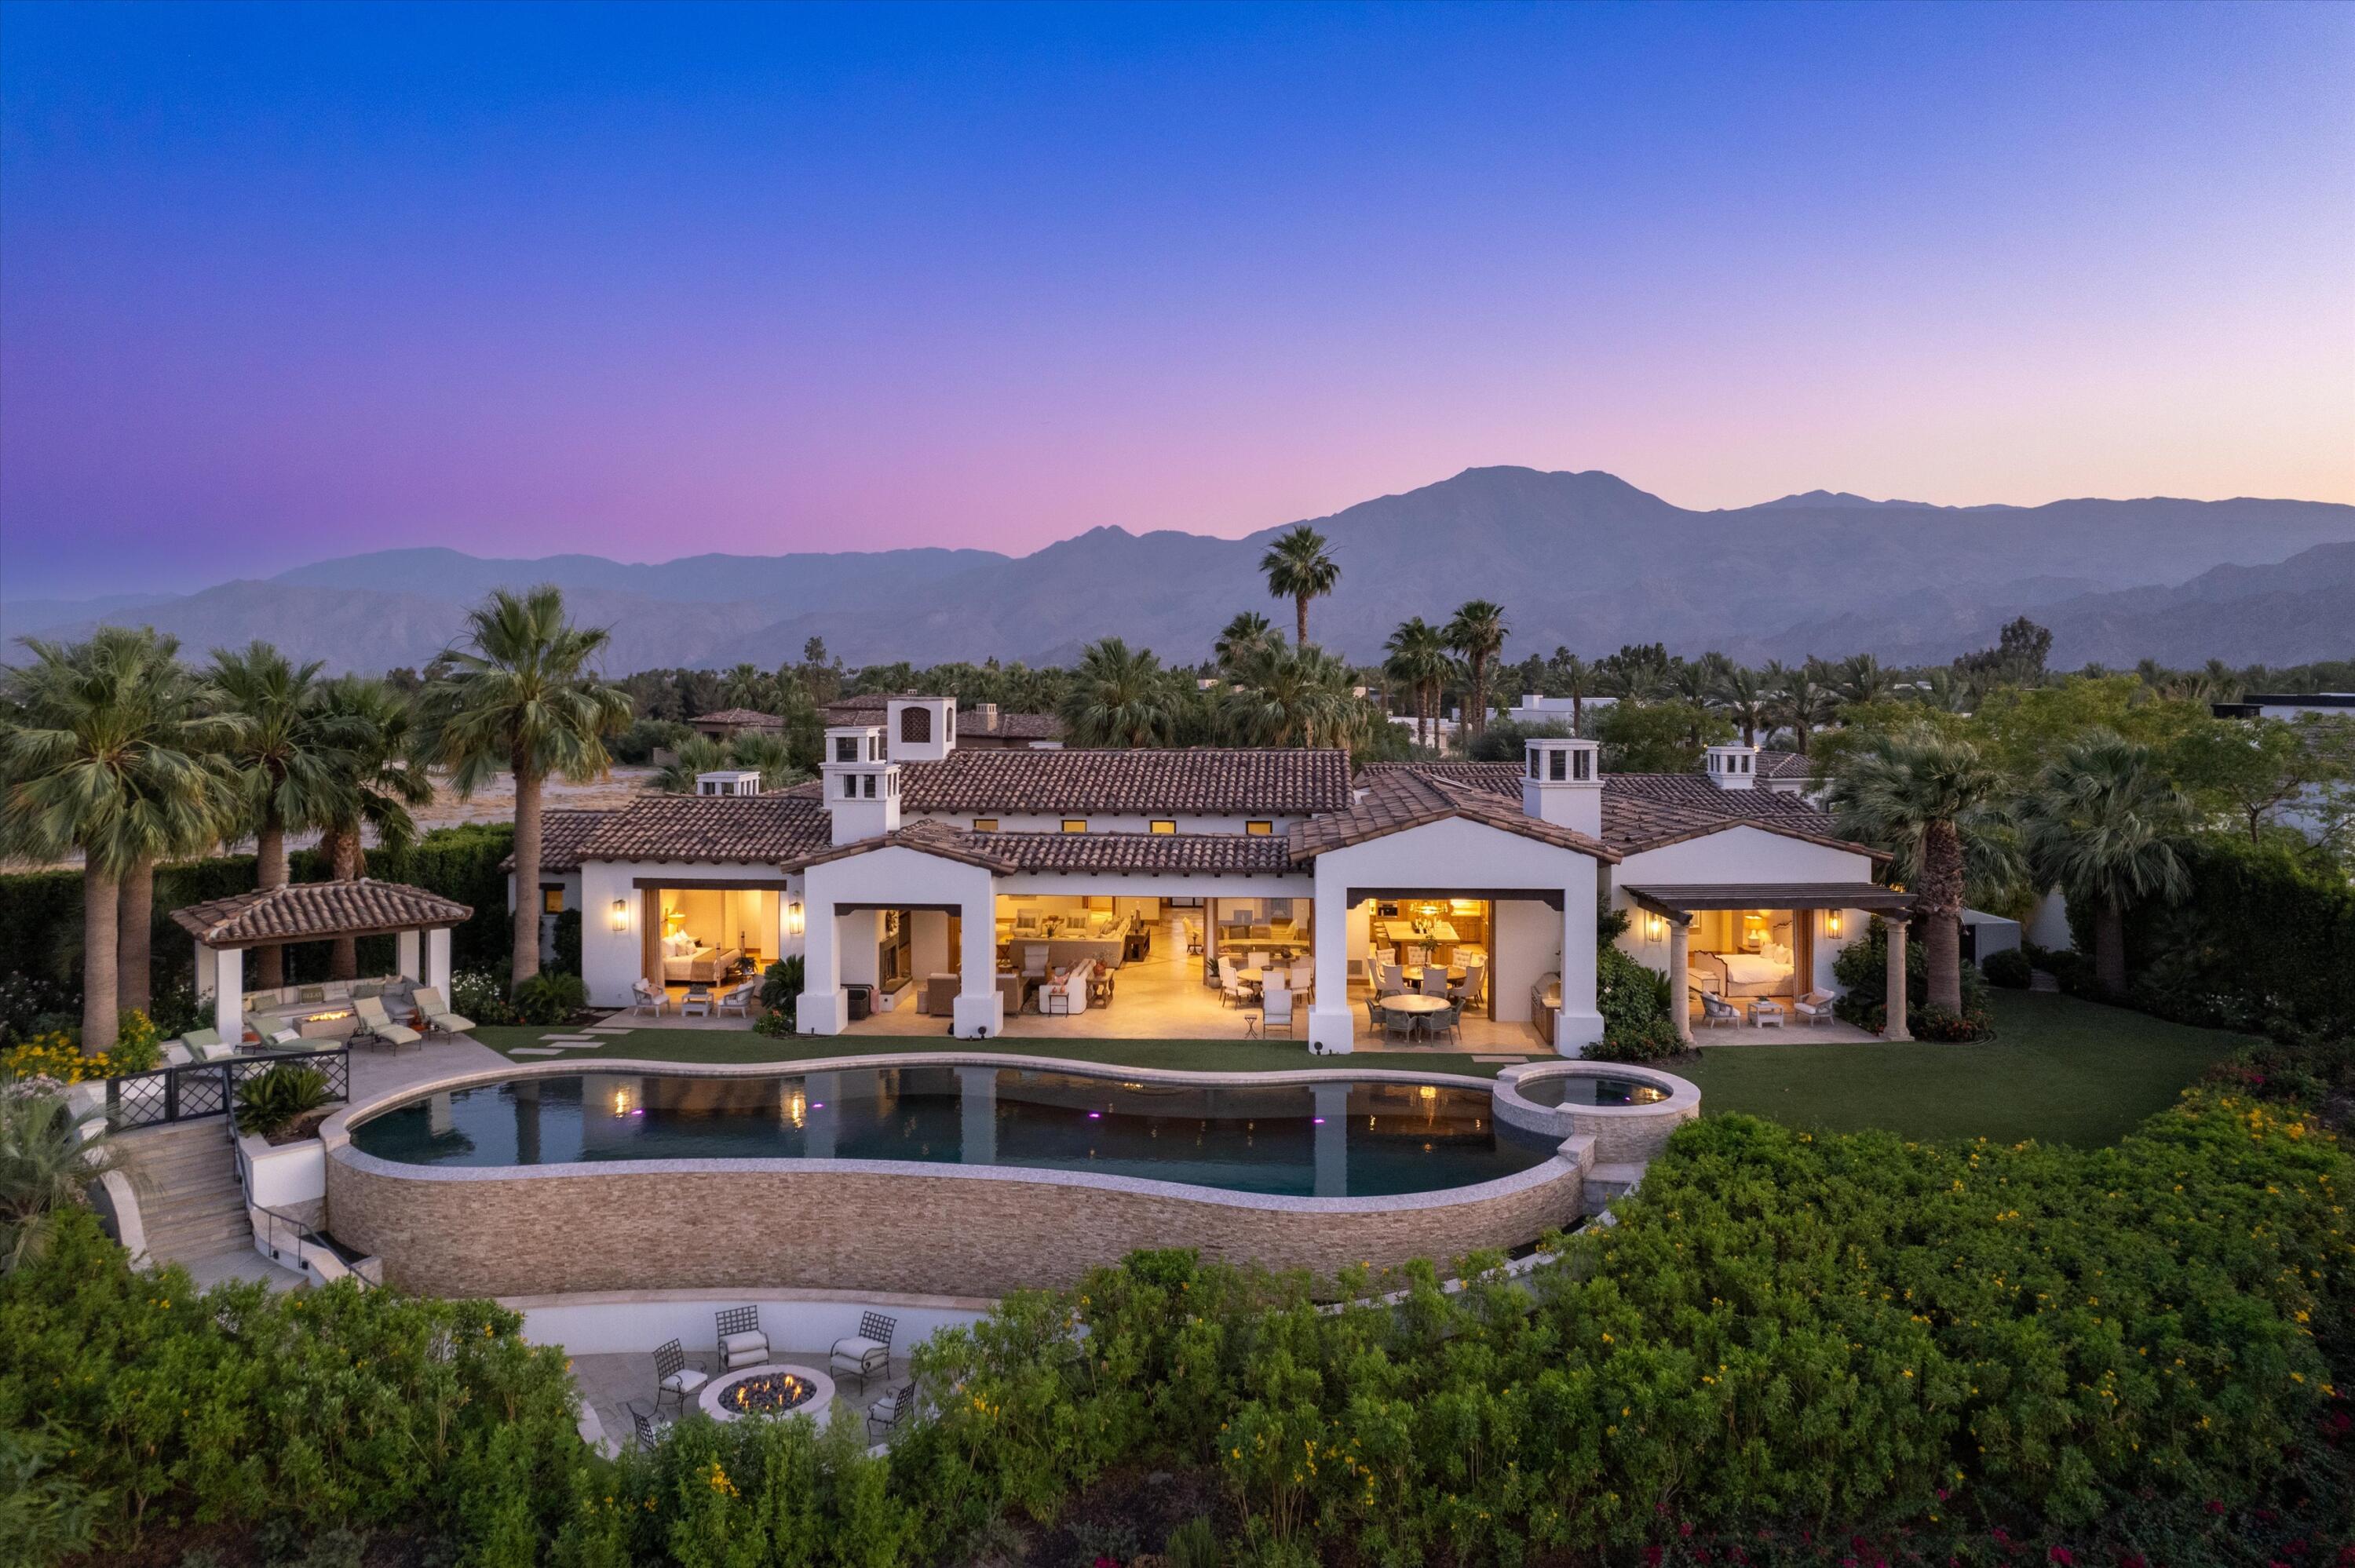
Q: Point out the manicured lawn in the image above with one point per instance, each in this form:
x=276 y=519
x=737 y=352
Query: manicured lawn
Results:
x=2060 y=1070
x=1180 y=1056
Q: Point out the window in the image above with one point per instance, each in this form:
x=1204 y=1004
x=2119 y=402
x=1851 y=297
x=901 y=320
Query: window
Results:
x=985 y=824
x=1164 y=825
x=1258 y=830
x=1581 y=762
x=1075 y=824
x=870 y=786
x=1561 y=765
x=850 y=786
x=551 y=900
x=916 y=726
x=845 y=748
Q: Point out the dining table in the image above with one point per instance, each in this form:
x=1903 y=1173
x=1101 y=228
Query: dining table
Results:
x=1414 y=972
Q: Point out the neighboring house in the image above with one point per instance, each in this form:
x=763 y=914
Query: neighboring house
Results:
x=725 y=724
x=1534 y=709
x=1446 y=733
x=2288 y=705
x=1785 y=773
x=919 y=869
x=2319 y=809
x=977 y=728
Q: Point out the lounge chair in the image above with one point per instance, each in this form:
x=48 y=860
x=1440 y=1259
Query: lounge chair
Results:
x=219 y=1051
x=1716 y=1011
x=673 y=1379
x=738 y=999
x=288 y=1039
x=437 y=1014
x=741 y=1343
x=647 y=996
x=192 y=1044
x=376 y=1023
x=889 y=1413
x=867 y=1353
x=1816 y=1007
x=175 y=1055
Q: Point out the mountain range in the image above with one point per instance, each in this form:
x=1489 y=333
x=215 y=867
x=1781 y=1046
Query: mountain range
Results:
x=1582 y=560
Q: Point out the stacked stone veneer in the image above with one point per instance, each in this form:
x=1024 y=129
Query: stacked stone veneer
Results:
x=1623 y=1135
x=847 y=1224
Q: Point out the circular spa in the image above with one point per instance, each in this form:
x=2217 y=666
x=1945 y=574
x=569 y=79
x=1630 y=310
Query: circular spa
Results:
x=946 y=1177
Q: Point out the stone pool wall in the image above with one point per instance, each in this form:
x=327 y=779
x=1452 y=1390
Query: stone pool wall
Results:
x=1623 y=1135
x=751 y=1225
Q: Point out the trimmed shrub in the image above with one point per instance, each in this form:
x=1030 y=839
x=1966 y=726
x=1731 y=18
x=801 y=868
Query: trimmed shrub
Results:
x=1862 y=968
x=551 y=996
x=2008 y=968
x=781 y=995
x=568 y=941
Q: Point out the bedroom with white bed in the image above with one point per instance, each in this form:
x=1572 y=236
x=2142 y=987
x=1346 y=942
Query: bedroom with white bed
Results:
x=1744 y=954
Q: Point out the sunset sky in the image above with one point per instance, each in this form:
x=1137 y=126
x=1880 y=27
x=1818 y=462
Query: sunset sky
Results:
x=279 y=284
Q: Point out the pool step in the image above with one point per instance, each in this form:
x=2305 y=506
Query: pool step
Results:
x=1604 y=1182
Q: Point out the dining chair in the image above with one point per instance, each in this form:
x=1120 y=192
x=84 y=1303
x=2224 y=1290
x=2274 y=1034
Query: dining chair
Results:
x=1259 y=960
x=1393 y=981
x=1435 y=981
x=1398 y=1027
x=1475 y=975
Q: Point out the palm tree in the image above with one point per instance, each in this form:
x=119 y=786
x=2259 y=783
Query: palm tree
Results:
x=1477 y=632
x=2100 y=825
x=1800 y=699
x=1862 y=680
x=1744 y=694
x=1119 y=696
x=521 y=696
x=1299 y=569
x=1246 y=637
x=98 y=757
x=747 y=687
x=771 y=756
x=1418 y=661
x=696 y=754
x=48 y=1159
x=1946 y=690
x=377 y=726
x=1297 y=696
x=1921 y=796
x=178 y=698
x=292 y=759
x=1576 y=678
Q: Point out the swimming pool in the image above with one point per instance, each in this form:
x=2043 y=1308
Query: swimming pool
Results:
x=1328 y=1139
x=1585 y=1089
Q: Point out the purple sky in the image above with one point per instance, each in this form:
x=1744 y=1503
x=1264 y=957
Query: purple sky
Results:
x=280 y=284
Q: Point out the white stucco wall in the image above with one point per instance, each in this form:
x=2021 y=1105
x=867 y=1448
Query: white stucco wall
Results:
x=612 y=958
x=839 y=949
x=1741 y=854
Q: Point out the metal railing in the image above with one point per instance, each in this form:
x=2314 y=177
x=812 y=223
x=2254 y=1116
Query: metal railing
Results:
x=196 y=1089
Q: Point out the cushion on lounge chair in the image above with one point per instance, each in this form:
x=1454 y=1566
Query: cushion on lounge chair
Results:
x=734 y=1345
x=859 y=1347
x=686 y=1380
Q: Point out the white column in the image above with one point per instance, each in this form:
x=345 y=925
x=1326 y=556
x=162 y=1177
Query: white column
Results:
x=1896 y=1028
x=1332 y=1025
x=207 y=971
x=980 y=1012
x=437 y=960
x=823 y=1008
x=405 y=949
x=1579 y=1025
x=229 y=993
x=1679 y=949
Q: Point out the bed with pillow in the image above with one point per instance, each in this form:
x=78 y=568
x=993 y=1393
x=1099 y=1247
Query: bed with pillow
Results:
x=685 y=960
x=1766 y=973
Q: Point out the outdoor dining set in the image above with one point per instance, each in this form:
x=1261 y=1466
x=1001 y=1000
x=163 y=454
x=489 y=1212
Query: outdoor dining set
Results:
x=1422 y=998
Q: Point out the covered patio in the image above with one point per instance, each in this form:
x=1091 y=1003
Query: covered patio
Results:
x=418 y=922
x=1817 y=918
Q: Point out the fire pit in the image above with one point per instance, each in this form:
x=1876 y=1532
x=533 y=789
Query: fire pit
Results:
x=768 y=1390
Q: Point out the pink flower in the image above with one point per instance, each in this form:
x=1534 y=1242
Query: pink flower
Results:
x=2062 y=1556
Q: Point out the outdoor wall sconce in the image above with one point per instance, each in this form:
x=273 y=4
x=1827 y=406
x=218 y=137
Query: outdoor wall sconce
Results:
x=621 y=913
x=1831 y=922
x=1654 y=928
x=793 y=919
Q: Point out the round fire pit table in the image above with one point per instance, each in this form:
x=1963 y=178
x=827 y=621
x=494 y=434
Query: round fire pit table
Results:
x=773 y=1389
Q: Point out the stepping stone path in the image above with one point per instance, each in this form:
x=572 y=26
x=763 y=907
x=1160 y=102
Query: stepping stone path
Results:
x=1497 y=1058
x=537 y=1051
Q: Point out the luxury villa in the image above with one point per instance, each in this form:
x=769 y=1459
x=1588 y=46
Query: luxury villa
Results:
x=1018 y=891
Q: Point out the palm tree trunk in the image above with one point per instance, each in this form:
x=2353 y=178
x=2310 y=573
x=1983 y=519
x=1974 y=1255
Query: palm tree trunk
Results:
x=134 y=927
x=1942 y=961
x=2110 y=947
x=269 y=872
x=524 y=932
x=343 y=847
x=1941 y=896
x=1300 y=605
x=102 y=913
x=1577 y=715
x=1479 y=714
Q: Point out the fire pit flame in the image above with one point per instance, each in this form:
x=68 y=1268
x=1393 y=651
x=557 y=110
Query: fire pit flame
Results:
x=767 y=1394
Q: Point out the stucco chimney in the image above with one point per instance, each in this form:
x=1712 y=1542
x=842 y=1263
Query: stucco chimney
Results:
x=1561 y=783
x=861 y=784
x=1733 y=766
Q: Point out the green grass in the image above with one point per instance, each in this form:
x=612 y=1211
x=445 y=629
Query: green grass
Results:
x=1178 y=1056
x=2060 y=1070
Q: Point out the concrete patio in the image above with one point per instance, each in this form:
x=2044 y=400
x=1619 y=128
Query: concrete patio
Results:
x=609 y=1385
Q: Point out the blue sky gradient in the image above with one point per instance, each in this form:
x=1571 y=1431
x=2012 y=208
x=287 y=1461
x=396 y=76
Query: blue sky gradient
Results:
x=279 y=284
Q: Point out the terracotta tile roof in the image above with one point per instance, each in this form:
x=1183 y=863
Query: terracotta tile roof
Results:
x=1400 y=798
x=1163 y=852
x=1204 y=779
x=562 y=832
x=1012 y=727
x=314 y=911
x=1648 y=810
x=742 y=718
x=931 y=838
x=773 y=828
x=1782 y=765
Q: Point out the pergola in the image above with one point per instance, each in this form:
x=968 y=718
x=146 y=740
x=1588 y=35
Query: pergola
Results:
x=1677 y=903
x=315 y=912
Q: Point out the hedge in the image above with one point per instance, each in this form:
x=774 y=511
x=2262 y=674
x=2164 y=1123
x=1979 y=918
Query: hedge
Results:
x=40 y=912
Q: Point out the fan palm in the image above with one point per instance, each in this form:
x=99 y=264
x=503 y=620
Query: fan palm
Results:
x=1477 y=632
x=49 y=1160
x=103 y=755
x=1576 y=678
x=1746 y=698
x=1246 y=637
x=696 y=754
x=771 y=756
x=1297 y=696
x=377 y=726
x=1299 y=567
x=292 y=760
x=747 y=687
x=521 y=696
x=2101 y=822
x=1932 y=803
x=1862 y=680
x=1119 y=696
x=1418 y=661
x=1800 y=699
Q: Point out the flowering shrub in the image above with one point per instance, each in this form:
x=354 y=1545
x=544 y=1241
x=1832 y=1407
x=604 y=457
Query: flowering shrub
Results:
x=53 y=1056
x=137 y=1046
x=478 y=994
